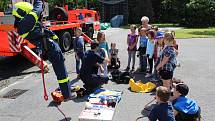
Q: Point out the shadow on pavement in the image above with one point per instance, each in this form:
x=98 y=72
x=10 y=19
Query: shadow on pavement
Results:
x=52 y=104
x=14 y=66
x=67 y=119
x=146 y=111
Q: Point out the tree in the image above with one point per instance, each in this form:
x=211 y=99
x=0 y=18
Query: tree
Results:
x=4 y=5
x=200 y=13
x=139 y=8
x=156 y=5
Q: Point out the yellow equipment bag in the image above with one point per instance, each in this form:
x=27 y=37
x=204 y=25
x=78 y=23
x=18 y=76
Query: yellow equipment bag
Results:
x=140 y=87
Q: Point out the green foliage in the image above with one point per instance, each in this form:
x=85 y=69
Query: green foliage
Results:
x=200 y=13
x=189 y=13
x=4 y=5
x=195 y=33
x=139 y=8
x=173 y=10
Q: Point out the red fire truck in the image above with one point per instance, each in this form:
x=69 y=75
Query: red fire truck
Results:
x=62 y=21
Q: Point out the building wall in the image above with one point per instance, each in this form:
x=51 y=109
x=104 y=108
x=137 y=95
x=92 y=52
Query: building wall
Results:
x=108 y=11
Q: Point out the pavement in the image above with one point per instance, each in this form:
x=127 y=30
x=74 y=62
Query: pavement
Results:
x=197 y=70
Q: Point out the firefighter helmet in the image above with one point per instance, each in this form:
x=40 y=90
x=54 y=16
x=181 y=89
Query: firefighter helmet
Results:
x=20 y=9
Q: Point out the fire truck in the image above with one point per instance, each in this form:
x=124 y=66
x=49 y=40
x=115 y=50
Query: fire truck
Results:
x=62 y=21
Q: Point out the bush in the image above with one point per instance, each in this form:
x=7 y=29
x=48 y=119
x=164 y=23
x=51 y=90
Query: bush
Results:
x=172 y=11
x=139 y=8
x=200 y=13
x=4 y=5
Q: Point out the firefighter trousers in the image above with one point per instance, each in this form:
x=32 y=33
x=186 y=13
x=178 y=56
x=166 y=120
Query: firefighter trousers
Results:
x=55 y=56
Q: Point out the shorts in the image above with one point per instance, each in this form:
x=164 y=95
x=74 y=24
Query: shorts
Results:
x=166 y=75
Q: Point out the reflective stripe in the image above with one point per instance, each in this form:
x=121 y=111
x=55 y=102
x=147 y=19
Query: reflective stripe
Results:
x=63 y=80
x=24 y=6
x=36 y=20
x=55 y=37
x=15 y=13
x=24 y=35
x=35 y=16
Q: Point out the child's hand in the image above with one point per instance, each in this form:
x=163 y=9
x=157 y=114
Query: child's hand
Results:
x=102 y=69
x=158 y=68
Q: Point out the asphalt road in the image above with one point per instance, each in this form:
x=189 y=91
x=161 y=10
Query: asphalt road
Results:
x=197 y=70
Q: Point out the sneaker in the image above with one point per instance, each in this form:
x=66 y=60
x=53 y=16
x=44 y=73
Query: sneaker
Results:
x=148 y=75
x=72 y=96
x=133 y=69
x=75 y=88
x=127 y=69
x=78 y=76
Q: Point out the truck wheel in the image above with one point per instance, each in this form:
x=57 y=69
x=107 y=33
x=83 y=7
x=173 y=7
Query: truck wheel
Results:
x=59 y=14
x=65 y=41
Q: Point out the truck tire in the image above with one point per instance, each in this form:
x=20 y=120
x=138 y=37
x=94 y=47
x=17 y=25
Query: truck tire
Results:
x=59 y=14
x=65 y=41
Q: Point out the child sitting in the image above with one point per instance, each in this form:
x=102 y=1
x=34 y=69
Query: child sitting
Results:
x=113 y=54
x=163 y=111
x=185 y=109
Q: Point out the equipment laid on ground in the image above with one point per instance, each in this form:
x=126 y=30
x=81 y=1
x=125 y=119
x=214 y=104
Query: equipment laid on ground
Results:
x=121 y=77
x=101 y=106
x=140 y=87
x=63 y=23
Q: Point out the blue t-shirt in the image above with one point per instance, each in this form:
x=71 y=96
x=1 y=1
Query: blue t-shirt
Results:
x=169 y=52
x=162 y=112
x=185 y=105
x=104 y=45
x=143 y=41
x=150 y=48
x=78 y=46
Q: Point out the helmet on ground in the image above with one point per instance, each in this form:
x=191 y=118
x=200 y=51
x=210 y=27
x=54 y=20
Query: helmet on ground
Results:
x=20 y=9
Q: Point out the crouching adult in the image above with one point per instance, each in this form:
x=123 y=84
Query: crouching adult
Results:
x=89 y=69
x=185 y=109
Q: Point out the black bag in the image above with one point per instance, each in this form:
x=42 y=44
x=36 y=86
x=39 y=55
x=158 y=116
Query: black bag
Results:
x=121 y=77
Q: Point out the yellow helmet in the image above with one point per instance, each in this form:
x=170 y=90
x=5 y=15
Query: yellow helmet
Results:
x=20 y=9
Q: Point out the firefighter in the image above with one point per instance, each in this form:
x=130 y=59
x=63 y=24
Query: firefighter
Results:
x=29 y=26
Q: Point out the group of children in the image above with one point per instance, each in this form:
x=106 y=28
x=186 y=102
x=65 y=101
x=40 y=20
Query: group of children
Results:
x=156 y=50
x=161 y=48
x=104 y=51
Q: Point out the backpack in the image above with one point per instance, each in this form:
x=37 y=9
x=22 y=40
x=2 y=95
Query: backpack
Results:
x=121 y=77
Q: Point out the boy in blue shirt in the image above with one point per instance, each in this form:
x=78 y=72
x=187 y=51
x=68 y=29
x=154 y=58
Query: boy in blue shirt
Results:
x=185 y=109
x=163 y=111
x=142 y=49
x=78 y=46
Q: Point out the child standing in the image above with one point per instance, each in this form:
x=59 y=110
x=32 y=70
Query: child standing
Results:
x=132 y=40
x=150 y=50
x=79 y=49
x=163 y=111
x=103 y=51
x=167 y=64
x=113 y=55
x=159 y=45
x=102 y=41
x=142 y=49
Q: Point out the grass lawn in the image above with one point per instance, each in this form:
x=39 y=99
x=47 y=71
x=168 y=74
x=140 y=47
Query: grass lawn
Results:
x=195 y=33
x=185 y=32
